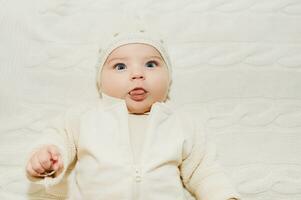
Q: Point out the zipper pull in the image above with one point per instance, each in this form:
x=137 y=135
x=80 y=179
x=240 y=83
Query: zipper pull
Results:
x=137 y=174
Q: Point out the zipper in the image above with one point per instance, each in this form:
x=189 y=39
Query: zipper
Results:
x=137 y=171
x=137 y=179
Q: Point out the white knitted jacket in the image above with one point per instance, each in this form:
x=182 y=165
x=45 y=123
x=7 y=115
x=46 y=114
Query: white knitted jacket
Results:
x=175 y=155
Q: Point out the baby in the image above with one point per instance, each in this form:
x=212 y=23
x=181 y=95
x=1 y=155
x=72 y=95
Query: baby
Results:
x=133 y=143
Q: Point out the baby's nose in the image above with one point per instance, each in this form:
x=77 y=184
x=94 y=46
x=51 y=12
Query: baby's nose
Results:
x=137 y=74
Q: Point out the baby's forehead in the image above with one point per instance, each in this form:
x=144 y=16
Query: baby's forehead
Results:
x=135 y=49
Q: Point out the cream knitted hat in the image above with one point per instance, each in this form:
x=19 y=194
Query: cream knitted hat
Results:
x=119 y=39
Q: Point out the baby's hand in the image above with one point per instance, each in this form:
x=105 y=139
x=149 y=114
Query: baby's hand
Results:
x=44 y=162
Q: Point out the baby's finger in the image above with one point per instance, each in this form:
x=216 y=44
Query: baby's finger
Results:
x=30 y=171
x=36 y=166
x=45 y=160
x=55 y=164
x=54 y=152
x=59 y=166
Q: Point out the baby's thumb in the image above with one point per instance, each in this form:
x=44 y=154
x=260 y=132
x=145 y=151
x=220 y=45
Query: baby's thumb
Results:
x=54 y=152
x=58 y=166
x=55 y=157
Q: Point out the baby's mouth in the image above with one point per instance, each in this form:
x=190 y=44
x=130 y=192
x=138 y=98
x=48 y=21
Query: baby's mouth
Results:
x=138 y=94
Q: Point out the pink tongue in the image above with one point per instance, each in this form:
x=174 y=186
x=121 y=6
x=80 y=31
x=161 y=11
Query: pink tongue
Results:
x=137 y=92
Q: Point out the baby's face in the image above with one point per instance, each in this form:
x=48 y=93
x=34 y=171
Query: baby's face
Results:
x=136 y=73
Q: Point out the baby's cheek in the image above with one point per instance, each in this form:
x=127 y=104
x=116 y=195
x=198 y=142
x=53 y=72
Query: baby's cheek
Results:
x=161 y=92
x=118 y=91
x=116 y=87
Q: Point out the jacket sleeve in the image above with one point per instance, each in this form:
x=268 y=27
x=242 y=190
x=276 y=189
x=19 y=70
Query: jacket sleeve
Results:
x=200 y=172
x=63 y=132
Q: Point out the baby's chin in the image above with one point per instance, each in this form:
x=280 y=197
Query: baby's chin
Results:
x=138 y=108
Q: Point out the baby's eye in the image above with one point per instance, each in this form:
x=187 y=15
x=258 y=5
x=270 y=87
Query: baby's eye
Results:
x=151 y=64
x=119 y=66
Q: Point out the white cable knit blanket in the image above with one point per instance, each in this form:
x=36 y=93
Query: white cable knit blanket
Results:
x=237 y=66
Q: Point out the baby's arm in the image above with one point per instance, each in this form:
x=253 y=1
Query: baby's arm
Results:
x=201 y=174
x=55 y=151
